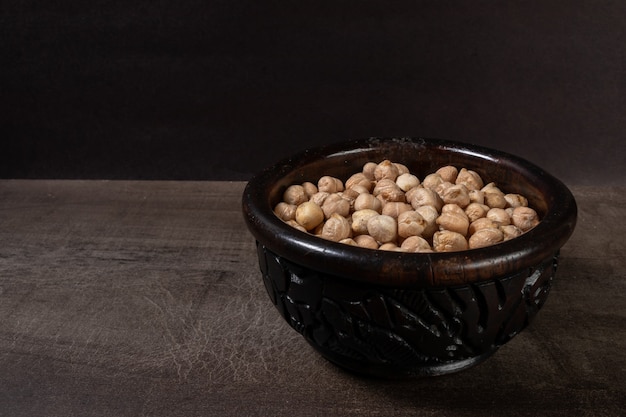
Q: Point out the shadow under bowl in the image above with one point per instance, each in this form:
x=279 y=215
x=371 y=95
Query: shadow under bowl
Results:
x=394 y=314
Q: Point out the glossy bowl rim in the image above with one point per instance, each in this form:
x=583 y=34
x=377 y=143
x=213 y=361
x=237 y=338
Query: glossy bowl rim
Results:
x=416 y=270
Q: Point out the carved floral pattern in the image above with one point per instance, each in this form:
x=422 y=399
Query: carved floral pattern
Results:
x=404 y=329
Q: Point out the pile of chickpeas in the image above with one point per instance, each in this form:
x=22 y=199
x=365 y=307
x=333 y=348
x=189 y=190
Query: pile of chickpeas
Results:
x=386 y=207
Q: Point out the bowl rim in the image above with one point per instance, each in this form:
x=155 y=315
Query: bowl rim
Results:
x=417 y=270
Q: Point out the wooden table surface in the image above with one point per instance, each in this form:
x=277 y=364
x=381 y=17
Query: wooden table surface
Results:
x=123 y=298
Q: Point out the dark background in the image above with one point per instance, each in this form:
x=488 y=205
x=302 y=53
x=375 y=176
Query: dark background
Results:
x=220 y=89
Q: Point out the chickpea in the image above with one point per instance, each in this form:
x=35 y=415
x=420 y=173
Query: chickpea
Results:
x=383 y=228
x=485 y=237
x=448 y=173
x=309 y=215
x=415 y=244
x=510 y=231
x=366 y=241
x=295 y=194
x=386 y=170
x=368 y=170
x=516 y=200
x=388 y=190
x=499 y=216
x=319 y=197
x=410 y=223
x=425 y=197
x=457 y=194
x=407 y=181
x=470 y=179
x=367 y=201
x=495 y=199
x=431 y=181
x=336 y=228
x=402 y=169
x=359 y=179
x=477 y=196
x=285 y=211
x=429 y=214
x=449 y=241
x=453 y=222
x=525 y=218
x=330 y=184
x=309 y=189
x=482 y=223
x=295 y=225
x=335 y=203
x=360 y=219
x=348 y=241
x=475 y=211
x=389 y=246
x=395 y=208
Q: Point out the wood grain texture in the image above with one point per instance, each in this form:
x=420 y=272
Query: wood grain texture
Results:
x=122 y=298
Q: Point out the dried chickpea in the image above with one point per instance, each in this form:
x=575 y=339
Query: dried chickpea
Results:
x=295 y=225
x=383 y=228
x=319 y=197
x=330 y=184
x=335 y=203
x=350 y=195
x=367 y=201
x=402 y=169
x=294 y=194
x=388 y=190
x=348 y=241
x=449 y=241
x=366 y=241
x=336 y=228
x=482 y=223
x=470 y=179
x=415 y=244
x=448 y=173
x=456 y=194
x=499 y=216
x=309 y=188
x=485 y=237
x=368 y=170
x=360 y=219
x=525 y=218
x=430 y=214
x=395 y=208
x=386 y=170
x=475 y=211
x=359 y=179
x=516 y=200
x=285 y=211
x=476 y=196
x=431 y=181
x=510 y=231
x=495 y=200
x=410 y=223
x=494 y=197
x=389 y=246
x=309 y=215
x=407 y=181
x=360 y=189
x=453 y=222
x=425 y=197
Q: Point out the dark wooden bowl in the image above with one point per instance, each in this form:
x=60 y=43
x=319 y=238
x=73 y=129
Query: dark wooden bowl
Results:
x=395 y=314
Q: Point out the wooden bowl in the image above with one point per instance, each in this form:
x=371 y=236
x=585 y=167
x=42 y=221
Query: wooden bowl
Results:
x=394 y=314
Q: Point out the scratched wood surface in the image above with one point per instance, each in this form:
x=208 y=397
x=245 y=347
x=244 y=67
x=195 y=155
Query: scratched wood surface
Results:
x=123 y=298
